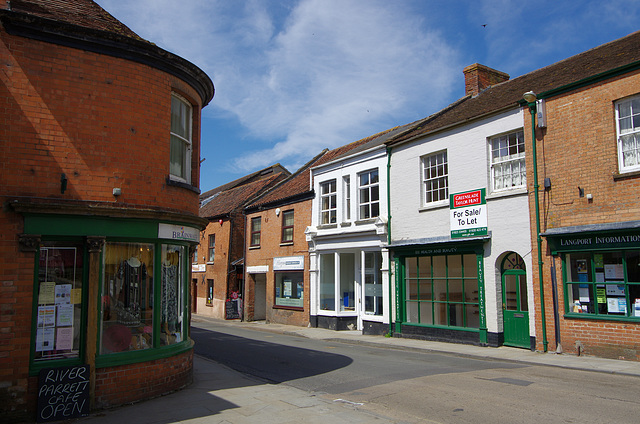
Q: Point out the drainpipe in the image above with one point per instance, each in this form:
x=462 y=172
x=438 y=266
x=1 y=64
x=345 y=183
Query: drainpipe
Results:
x=389 y=238
x=530 y=98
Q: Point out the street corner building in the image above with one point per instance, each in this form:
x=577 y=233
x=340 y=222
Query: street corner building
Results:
x=100 y=155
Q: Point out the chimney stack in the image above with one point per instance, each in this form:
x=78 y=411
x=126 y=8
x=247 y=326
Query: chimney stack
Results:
x=477 y=77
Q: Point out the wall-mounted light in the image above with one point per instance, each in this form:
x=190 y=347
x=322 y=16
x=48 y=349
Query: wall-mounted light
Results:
x=117 y=191
x=220 y=221
x=277 y=211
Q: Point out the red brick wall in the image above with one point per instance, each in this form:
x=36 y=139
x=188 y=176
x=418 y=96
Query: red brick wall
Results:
x=270 y=247
x=103 y=122
x=216 y=271
x=129 y=383
x=579 y=149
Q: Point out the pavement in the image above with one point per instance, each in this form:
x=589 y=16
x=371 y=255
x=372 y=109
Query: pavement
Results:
x=219 y=394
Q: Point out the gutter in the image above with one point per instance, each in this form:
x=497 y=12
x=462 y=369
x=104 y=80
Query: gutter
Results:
x=389 y=237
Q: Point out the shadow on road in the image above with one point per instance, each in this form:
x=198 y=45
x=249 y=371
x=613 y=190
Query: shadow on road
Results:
x=273 y=362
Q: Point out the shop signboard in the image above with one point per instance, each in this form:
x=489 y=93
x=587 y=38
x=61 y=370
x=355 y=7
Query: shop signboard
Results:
x=288 y=263
x=63 y=393
x=468 y=214
x=178 y=232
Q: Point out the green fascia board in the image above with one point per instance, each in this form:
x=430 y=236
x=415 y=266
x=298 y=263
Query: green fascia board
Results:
x=74 y=225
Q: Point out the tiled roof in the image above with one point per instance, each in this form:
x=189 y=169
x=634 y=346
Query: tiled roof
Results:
x=268 y=171
x=229 y=201
x=586 y=65
x=299 y=183
x=82 y=13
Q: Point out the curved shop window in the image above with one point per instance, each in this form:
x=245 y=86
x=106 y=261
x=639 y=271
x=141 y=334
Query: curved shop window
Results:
x=143 y=296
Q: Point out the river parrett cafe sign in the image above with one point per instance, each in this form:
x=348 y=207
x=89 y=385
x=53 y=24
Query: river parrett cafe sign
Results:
x=468 y=214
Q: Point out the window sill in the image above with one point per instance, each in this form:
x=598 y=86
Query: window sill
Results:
x=254 y=247
x=175 y=183
x=433 y=206
x=289 y=308
x=366 y=221
x=209 y=263
x=345 y=224
x=286 y=243
x=507 y=193
x=327 y=226
x=584 y=315
x=624 y=175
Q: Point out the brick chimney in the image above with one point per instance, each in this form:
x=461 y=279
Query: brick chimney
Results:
x=477 y=77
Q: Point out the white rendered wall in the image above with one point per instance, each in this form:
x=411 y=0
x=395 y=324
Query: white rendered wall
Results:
x=468 y=156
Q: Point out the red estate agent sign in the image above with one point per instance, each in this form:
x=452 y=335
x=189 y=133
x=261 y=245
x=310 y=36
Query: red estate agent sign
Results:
x=468 y=214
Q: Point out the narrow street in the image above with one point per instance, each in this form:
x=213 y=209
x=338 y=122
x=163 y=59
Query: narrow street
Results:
x=412 y=386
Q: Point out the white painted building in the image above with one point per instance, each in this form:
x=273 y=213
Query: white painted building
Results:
x=463 y=274
x=349 y=261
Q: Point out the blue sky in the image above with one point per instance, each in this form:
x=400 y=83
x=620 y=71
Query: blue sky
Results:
x=293 y=77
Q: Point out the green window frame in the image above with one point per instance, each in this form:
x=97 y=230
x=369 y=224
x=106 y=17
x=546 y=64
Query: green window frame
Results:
x=443 y=291
x=46 y=325
x=73 y=230
x=602 y=284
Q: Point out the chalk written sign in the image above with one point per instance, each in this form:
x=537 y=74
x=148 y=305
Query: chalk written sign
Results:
x=232 y=309
x=63 y=393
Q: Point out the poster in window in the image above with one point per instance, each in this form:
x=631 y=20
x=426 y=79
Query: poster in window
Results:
x=581 y=266
x=287 y=288
x=64 y=338
x=47 y=293
x=44 y=339
x=46 y=316
x=65 y=315
x=598 y=260
x=614 y=272
x=63 y=293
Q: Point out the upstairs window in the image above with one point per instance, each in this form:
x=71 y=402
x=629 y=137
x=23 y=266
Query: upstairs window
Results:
x=287 y=226
x=256 y=225
x=328 y=202
x=628 y=128
x=369 y=194
x=346 y=180
x=212 y=248
x=181 y=116
x=435 y=178
x=507 y=162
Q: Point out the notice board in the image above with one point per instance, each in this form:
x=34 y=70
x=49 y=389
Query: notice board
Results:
x=63 y=393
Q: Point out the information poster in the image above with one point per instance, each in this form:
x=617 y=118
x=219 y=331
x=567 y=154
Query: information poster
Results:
x=64 y=338
x=46 y=316
x=65 y=315
x=76 y=296
x=63 y=293
x=47 y=293
x=44 y=339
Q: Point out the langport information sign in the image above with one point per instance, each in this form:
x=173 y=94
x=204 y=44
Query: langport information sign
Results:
x=468 y=214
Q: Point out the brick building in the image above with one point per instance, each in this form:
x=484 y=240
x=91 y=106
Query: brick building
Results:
x=218 y=268
x=95 y=244
x=276 y=251
x=587 y=134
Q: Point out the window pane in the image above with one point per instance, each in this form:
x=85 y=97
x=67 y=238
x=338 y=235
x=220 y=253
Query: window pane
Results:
x=287 y=218
x=127 y=297
x=289 y=289
x=454 y=263
x=347 y=282
x=426 y=313
x=435 y=177
x=412 y=311
x=172 y=295
x=178 y=154
x=59 y=310
x=327 y=282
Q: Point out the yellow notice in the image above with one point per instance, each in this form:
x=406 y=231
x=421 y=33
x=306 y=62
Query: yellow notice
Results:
x=47 y=293
x=76 y=296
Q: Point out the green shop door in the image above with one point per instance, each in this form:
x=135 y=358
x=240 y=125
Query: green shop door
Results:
x=515 y=304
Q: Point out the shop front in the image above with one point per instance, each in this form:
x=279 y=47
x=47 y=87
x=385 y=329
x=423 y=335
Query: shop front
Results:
x=351 y=287
x=112 y=293
x=599 y=293
x=440 y=292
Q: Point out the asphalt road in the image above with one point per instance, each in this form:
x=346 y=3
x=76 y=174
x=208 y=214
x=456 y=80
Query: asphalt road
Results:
x=423 y=386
